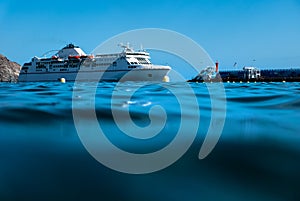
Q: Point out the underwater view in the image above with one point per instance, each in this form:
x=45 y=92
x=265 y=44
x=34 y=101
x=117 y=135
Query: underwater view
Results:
x=43 y=155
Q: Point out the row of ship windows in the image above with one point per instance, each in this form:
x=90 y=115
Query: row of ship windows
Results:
x=103 y=64
x=112 y=59
x=67 y=66
x=141 y=59
x=130 y=63
x=99 y=64
x=57 y=66
x=40 y=70
x=140 y=62
x=58 y=62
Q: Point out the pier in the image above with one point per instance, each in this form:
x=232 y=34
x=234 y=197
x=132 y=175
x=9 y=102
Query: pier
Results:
x=253 y=74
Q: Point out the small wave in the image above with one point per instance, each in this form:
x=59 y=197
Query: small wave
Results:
x=249 y=99
x=33 y=115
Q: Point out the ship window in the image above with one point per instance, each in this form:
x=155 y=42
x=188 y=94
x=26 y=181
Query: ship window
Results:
x=142 y=60
x=149 y=75
x=115 y=63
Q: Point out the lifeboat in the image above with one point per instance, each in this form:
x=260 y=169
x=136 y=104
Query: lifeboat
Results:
x=87 y=56
x=74 y=57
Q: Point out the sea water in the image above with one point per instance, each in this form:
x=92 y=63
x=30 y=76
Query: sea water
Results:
x=257 y=156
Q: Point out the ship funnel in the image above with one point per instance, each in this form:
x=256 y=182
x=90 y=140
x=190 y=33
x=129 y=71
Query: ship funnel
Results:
x=217 y=66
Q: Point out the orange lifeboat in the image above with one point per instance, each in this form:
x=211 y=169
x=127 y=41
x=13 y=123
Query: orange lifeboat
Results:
x=74 y=57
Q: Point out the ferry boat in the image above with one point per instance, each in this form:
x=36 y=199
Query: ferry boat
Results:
x=71 y=60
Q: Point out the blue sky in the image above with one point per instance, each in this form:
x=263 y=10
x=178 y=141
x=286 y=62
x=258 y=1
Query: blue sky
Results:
x=229 y=30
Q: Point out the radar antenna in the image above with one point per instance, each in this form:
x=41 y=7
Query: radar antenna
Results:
x=126 y=47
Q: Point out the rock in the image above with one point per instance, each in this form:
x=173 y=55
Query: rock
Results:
x=9 y=71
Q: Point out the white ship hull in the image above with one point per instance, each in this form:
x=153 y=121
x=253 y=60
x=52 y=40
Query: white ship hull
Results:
x=132 y=75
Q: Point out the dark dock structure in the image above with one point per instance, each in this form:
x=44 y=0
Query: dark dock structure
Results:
x=252 y=74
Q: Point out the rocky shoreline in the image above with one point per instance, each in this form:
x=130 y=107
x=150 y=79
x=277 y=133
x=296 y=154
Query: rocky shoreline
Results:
x=9 y=71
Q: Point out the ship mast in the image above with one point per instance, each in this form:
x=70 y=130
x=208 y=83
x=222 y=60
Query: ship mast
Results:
x=126 y=47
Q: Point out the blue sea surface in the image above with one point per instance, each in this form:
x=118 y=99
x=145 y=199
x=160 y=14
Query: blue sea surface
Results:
x=256 y=158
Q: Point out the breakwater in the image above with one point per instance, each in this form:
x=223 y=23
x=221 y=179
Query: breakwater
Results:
x=245 y=75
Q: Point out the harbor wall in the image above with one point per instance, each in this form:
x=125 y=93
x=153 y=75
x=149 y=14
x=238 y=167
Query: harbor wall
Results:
x=267 y=75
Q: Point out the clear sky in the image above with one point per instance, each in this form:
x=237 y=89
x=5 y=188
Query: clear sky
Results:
x=267 y=31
